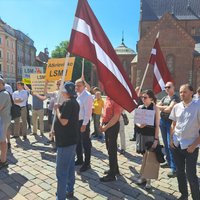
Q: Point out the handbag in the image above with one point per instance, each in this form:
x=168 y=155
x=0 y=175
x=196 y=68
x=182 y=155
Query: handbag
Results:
x=15 y=110
x=150 y=166
x=125 y=119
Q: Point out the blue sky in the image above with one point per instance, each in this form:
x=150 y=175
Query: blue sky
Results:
x=48 y=22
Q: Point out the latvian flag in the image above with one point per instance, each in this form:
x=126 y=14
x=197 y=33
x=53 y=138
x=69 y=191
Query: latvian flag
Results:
x=89 y=41
x=161 y=71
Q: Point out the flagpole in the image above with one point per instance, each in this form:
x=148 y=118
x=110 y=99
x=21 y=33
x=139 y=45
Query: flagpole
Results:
x=61 y=85
x=147 y=67
x=83 y=67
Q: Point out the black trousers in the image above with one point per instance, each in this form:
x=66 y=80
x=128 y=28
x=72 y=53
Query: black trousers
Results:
x=186 y=164
x=111 y=144
x=84 y=143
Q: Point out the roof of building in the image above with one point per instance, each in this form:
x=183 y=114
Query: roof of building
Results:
x=42 y=57
x=124 y=50
x=152 y=10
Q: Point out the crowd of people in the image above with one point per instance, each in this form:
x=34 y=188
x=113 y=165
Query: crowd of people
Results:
x=177 y=117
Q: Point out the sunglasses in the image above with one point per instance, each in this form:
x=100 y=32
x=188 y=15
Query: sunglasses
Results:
x=167 y=87
x=143 y=97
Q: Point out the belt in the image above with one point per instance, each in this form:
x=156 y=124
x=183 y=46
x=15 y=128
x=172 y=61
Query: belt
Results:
x=22 y=107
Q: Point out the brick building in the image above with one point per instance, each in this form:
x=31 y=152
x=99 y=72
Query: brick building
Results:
x=179 y=25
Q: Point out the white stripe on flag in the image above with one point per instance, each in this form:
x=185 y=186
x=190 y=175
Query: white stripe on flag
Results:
x=159 y=77
x=153 y=51
x=81 y=26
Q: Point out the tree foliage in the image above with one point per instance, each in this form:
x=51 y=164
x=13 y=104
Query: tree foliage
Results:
x=60 y=52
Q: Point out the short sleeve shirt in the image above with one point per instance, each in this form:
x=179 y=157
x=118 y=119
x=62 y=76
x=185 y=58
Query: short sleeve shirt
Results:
x=187 y=123
x=166 y=102
x=110 y=108
x=67 y=135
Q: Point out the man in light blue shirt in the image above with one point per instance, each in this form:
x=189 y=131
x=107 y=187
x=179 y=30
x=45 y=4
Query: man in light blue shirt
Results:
x=185 y=141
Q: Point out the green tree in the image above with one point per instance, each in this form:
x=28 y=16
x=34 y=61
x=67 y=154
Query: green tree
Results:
x=60 y=52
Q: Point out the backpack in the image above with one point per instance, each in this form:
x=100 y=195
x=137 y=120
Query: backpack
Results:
x=15 y=110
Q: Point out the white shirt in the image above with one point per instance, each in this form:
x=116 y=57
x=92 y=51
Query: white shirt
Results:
x=187 y=123
x=85 y=101
x=8 y=88
x=22 y=95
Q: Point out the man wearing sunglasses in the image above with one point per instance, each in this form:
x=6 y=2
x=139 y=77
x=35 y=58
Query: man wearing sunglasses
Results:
x=165 y=105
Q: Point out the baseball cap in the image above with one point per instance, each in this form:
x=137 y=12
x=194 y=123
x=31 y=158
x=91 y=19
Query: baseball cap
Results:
x=69 y=88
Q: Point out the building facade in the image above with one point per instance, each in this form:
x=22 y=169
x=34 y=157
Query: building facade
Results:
x=16 y=50
x=26 y=52
x=178 y=23
x=7 y=53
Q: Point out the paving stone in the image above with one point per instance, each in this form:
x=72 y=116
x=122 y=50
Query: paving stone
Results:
x=31 y=174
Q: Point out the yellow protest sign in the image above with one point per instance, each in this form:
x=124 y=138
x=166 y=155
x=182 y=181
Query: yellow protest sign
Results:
x=55 y=67
x=27 y=70
x=38 y=83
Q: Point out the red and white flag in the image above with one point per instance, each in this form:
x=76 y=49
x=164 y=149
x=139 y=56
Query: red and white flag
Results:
x=89 y=41
x=161 y=71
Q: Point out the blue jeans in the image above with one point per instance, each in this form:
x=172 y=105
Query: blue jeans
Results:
x=186 y=169
x=65 y=170
x=165 y=131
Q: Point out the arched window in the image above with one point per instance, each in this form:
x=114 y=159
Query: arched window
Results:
x=170 y=60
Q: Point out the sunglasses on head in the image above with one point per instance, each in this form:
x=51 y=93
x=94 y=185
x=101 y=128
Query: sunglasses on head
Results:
x=167 y=87
x=143 y=97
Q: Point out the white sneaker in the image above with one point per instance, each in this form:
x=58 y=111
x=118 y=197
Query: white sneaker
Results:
x=141 y=181
x=148 y=184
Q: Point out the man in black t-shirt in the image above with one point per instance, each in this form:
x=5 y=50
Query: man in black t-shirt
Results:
x=165 y=105
x=66 y=133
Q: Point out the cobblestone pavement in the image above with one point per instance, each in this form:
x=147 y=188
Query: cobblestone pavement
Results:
x=31 y=174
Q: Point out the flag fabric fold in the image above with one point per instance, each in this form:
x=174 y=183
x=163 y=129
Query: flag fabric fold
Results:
x=161 y=71
x=89 y=41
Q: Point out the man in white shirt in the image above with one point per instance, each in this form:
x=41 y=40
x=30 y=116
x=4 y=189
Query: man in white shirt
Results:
x=185 y=141
x=20 y=97
x=85 y=101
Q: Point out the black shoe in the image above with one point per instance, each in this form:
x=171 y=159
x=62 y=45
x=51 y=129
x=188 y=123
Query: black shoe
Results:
x=25 y=137
x=107 y=178
x=122 y=151
x=14 y=137
x=77 y=162
x=3 y=164
x=70 y=195
x=9 y=145
x=183 y=197
x=108 y=172
x=132 y=139
x=84 y=168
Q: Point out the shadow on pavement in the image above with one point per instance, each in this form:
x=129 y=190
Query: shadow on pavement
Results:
x=11 y=184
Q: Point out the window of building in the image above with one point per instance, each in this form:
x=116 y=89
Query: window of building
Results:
x=0 y=68
x=170 y=60
x=0 y=40
x=8 y=43
x=0 y=54
x=8 y=57
x=193 y=32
